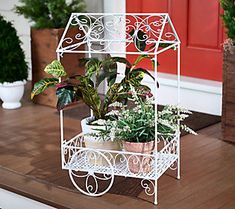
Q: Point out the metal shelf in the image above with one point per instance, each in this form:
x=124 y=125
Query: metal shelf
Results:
x=79 y=160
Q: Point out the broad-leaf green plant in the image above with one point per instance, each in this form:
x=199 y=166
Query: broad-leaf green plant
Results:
x=71 y=89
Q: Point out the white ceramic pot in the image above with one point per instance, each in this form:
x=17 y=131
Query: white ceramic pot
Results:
x=95 y=143
x=88 y=129
x=11 y=94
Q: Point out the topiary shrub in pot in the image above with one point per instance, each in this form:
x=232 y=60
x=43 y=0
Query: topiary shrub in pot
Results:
x=13 y=67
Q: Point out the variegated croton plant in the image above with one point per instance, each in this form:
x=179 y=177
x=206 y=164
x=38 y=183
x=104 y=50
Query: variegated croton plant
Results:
x=85 y=87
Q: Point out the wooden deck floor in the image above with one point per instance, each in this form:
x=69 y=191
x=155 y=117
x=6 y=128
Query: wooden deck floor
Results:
x=30 y=165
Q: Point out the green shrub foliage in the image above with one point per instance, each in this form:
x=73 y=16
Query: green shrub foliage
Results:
x=229 y=17
x=12 y=59
x=49 y=13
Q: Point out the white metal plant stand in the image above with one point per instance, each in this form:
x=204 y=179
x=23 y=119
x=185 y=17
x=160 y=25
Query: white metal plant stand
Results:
x=107 y=33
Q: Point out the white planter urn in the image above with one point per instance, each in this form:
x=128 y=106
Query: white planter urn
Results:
x=95 y=143
x=11 y=94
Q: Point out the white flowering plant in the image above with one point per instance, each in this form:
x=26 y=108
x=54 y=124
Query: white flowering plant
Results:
x=138 y=124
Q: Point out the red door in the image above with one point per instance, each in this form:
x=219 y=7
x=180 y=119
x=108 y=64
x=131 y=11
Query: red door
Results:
x=198 y=24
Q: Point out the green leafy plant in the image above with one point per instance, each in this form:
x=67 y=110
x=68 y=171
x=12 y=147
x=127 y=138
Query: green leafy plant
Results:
x=82 y=87
x=229 y=17
x=138 y=124
x=49 y=13
x=12 y=59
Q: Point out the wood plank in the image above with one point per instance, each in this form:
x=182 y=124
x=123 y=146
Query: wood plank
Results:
x=48 y=193
x=30 y=165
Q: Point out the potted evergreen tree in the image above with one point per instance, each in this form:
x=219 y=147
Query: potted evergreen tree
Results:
x=49 y=18
x=13 y=67
x=228 y=109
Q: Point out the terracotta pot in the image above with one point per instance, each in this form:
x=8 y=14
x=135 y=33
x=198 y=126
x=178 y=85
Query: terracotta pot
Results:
x=137 y=163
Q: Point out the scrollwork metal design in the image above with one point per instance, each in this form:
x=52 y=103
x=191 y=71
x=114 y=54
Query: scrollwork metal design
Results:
x=148 y=186
x=111 y=29
x=174 y=165
x=99 y=165
x=90 y=164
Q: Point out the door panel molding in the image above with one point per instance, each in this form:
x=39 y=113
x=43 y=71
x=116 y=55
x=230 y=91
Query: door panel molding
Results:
x=200 y=23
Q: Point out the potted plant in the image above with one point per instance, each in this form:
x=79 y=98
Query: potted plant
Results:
x=228 y=107
x=82 y=87
x=135 y=127
x=13 y=67
x=49 y=18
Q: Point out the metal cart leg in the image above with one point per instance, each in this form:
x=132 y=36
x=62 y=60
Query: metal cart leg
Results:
x=178 y=168
x=178 y=160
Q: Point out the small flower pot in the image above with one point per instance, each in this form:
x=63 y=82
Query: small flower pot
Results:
x=138 y=163
x=11 y=94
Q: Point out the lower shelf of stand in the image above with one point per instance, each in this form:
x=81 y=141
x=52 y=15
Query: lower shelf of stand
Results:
x=161 y=162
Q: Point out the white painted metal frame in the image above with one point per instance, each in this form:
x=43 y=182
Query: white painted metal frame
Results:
x=102 y=33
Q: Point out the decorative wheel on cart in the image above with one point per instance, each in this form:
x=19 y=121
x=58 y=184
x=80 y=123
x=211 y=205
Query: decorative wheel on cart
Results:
x=91 y=172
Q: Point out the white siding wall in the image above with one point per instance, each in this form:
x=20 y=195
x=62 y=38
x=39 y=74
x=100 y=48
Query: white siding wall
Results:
x=94 y=5
x=23 y=26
